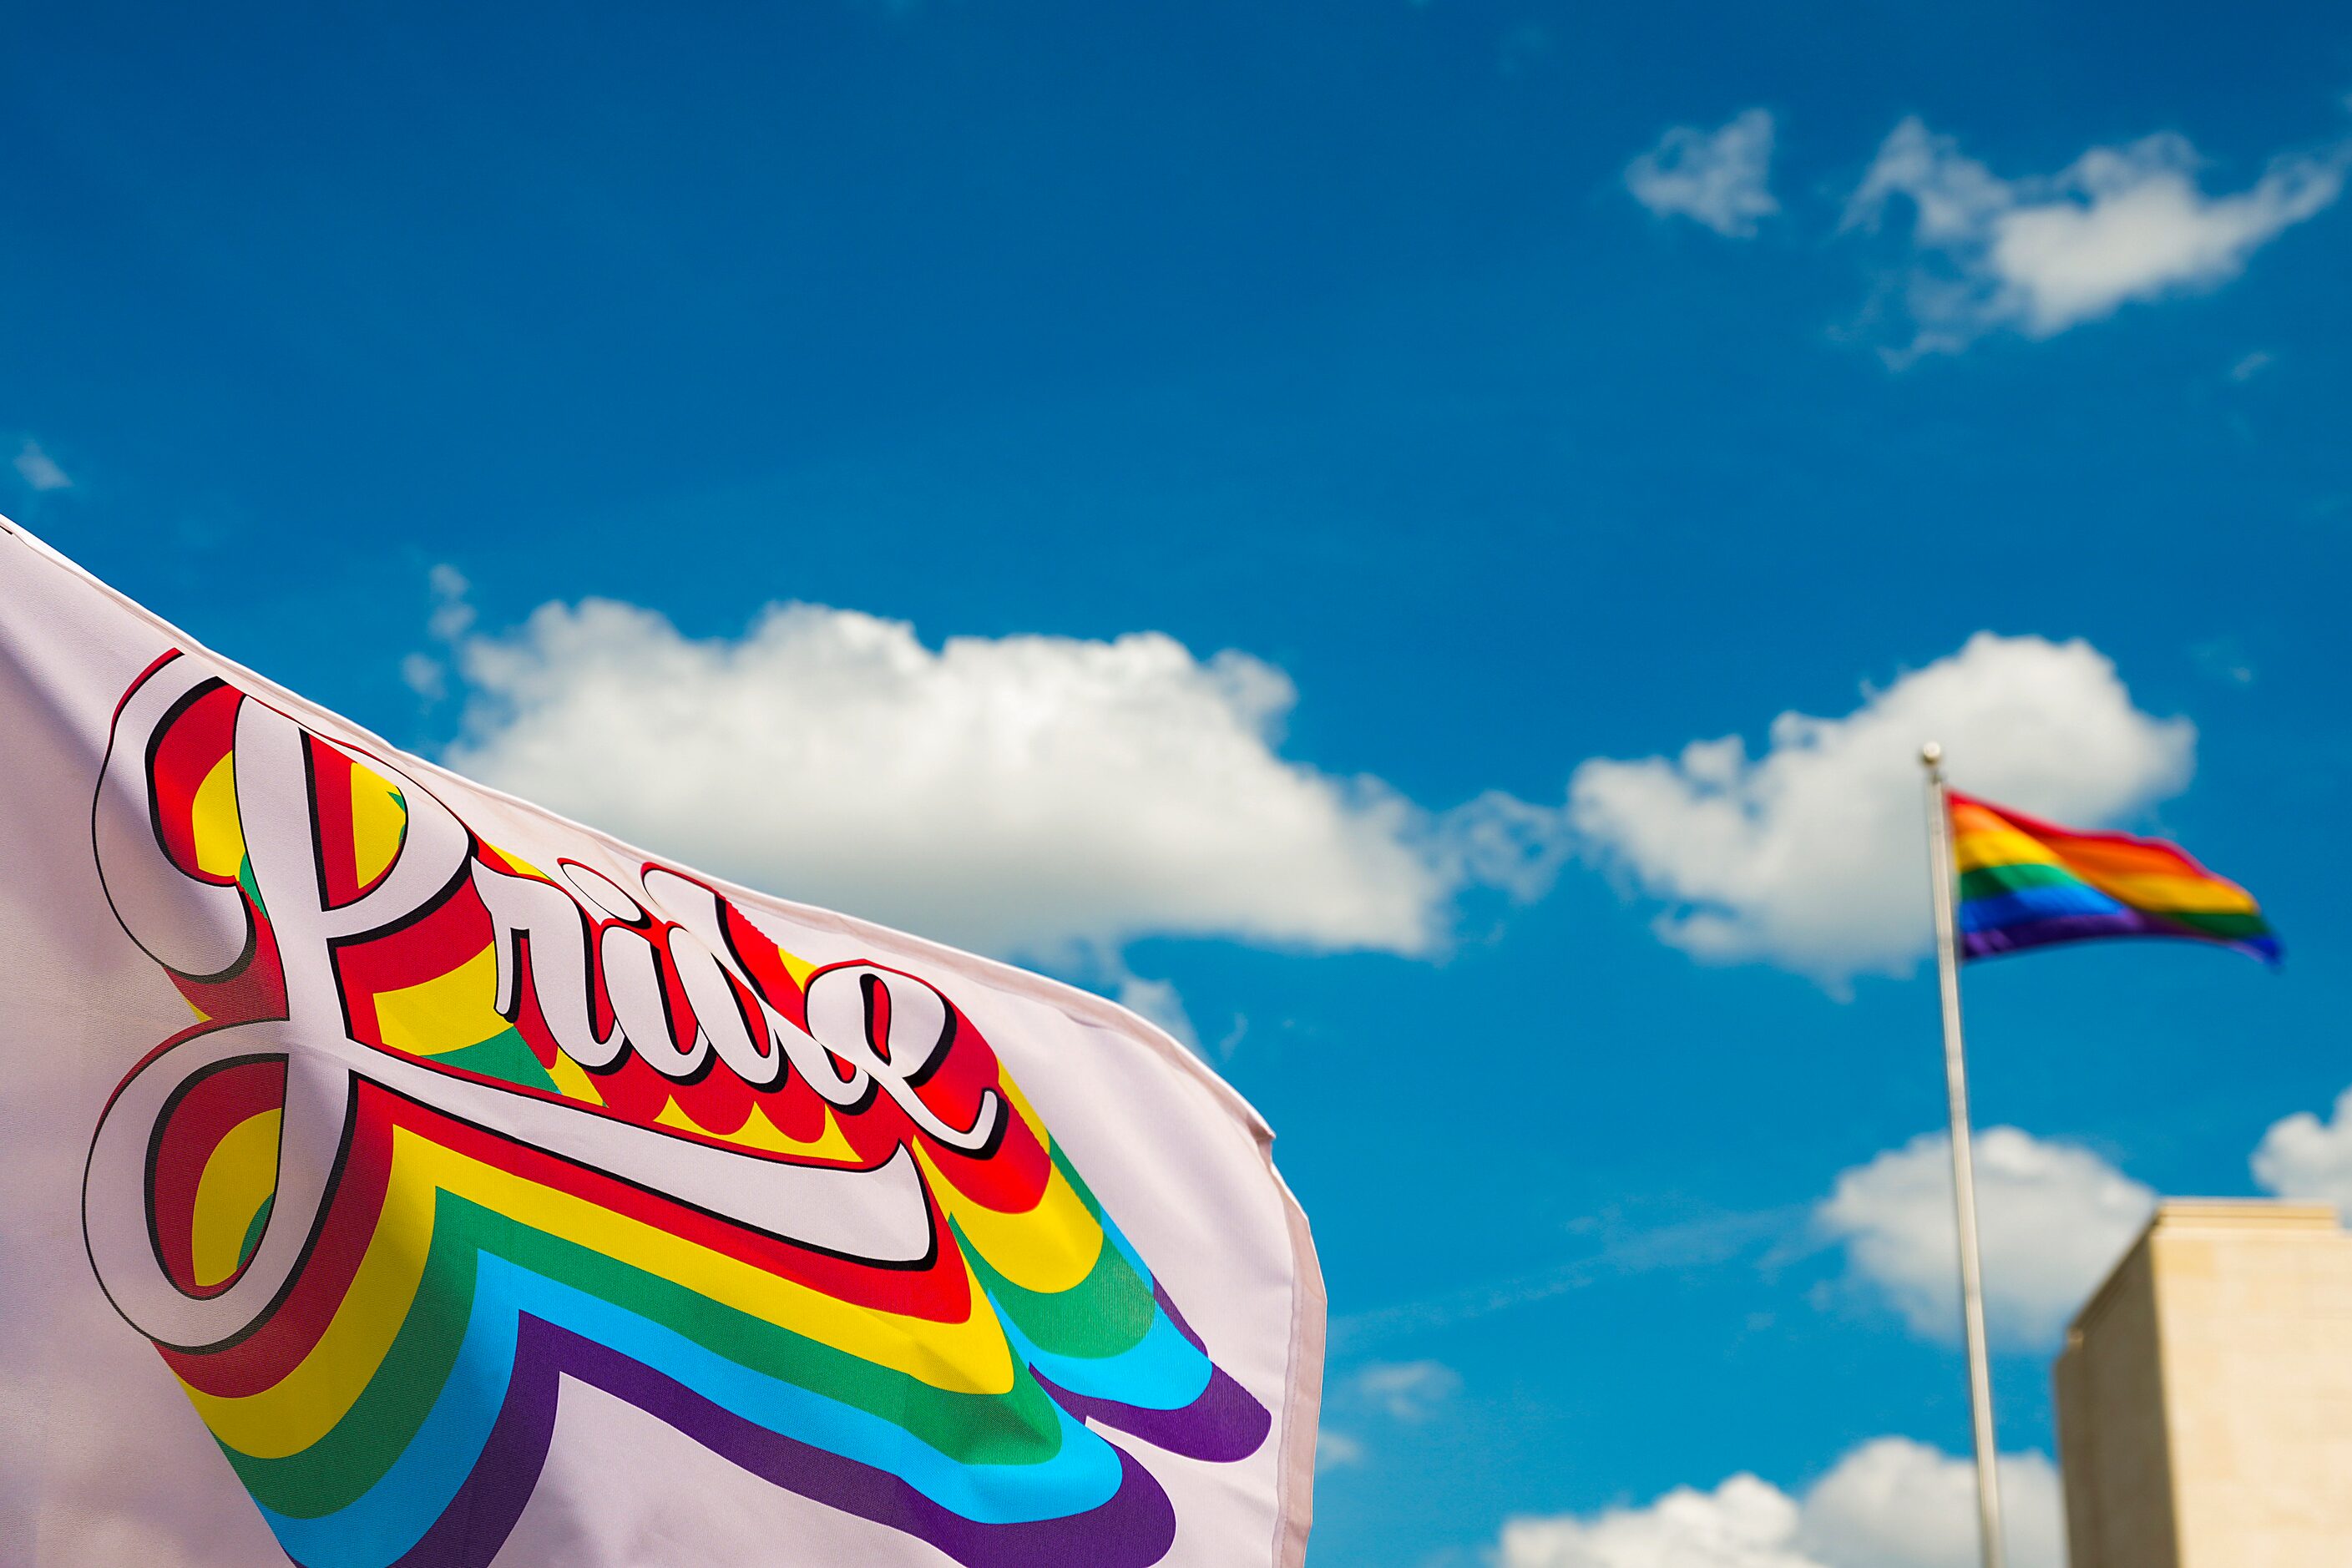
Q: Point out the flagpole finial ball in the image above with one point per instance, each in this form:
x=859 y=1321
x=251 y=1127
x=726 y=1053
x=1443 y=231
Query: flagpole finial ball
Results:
x=1931 y=754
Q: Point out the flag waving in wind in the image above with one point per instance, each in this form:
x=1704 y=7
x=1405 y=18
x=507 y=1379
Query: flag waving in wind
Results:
x=489 y=1191
x=2029 y=883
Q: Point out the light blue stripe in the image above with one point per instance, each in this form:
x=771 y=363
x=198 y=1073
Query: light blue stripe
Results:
x=1161 y=1371
x=392 y=1516
x=2029 y=904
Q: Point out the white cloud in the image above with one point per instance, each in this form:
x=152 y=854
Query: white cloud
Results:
x=1025 y=794
x=2042 y=254
x=1889 y=1503
x=1813 y=855
x=1408 y=1390
x=1720 y=178
x=1159 y=1001
x=1335 y=1450
x=1743 y=1524
x=2052 y=1220
x=40 y=470
x=2305 y=1158
x=1895 y=1503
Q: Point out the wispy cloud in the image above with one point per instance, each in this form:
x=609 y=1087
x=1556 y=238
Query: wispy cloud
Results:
x=1380 y=1397
x=1407 y=1390
x=453 y=614
x=427 y=675
x=1336 y=1450
x=1686 y=1244
x=1159 y=1001
x=2040 y=254
x=2224 y=659
x=40 y=470
x=1721 y=178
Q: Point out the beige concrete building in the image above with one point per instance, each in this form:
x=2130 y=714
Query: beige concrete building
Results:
x=2205 y=1395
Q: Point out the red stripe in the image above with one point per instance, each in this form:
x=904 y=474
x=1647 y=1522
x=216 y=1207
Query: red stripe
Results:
x=199 y=1120
x=166 y=657
x=258 y=990
x=331 y=781
x=264 y=1358
x=185 y=755
x=939 y=1293
x=2058 y=838
x=454 y=933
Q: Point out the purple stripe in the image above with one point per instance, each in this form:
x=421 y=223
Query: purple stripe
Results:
x=1222 y=1425
x=1160 y=1294
x=1995 y=940
x=1134 y=1529
x=482 y=1515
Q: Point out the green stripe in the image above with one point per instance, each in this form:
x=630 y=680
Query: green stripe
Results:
x=245 y=879
x=505 y=1055
x=1019 y=1427
x=1103 y=1315
x=357 y=1451
x=1106 y=1314
x=1993 y=881
x=253 y=1231
x=2229 y=927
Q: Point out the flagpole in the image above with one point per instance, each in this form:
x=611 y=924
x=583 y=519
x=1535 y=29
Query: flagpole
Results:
x=1964 y=1181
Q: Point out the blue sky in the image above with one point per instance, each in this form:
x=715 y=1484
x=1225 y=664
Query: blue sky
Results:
x=1521 y=390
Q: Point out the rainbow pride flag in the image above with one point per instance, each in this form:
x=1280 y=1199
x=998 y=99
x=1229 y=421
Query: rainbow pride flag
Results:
x=2028 y=883
x=496 y=1192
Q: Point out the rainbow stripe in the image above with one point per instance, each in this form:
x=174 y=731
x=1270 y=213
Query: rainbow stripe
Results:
x=2028 y=883
x=394 y=1408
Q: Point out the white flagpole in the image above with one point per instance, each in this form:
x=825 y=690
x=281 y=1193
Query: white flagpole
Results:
x=1964 y=1181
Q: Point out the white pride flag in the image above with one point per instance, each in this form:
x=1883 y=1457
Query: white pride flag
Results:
x=398 y=1174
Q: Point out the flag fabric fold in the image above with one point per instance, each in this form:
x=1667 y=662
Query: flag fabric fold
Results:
x=402 y=1174
x=2027 y=883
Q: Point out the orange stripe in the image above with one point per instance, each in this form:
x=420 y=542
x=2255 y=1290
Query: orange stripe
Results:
x=2189 y=895
x=2107 y=859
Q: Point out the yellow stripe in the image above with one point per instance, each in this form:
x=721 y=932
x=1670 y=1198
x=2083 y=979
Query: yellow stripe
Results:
x=237 y=1179
x=759 y=1131
x=445 y=1013
x=304 y=1405
x=1049 y=1249
x=572 y=1079
x=970 y=1357
x=800 y=969
x=522 y=864
x=379 y=819
x=219 y=836
x=1977 y=847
